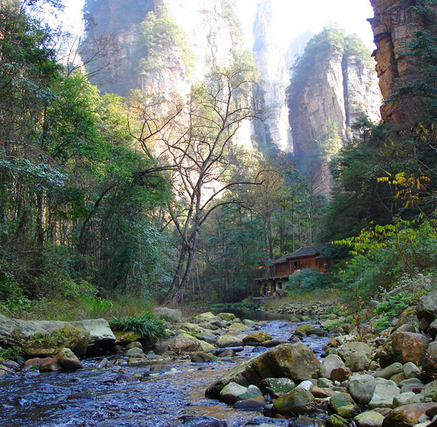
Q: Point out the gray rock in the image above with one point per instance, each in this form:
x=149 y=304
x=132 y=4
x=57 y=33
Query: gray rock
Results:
x=411 y=370
x=329 y=363
x=234 y=392
x=230 y=340
x=100 y=333
x=361 y=388
x=369 y=419
x=295 y=361
x=356 y=355
x=43 y=337
x=384 y=394
x=389 y=371
x=184 y=343
x=403 y=399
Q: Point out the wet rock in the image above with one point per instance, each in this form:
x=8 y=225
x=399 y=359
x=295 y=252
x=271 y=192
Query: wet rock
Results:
x=251 y=404
x=5 y=372
x=249 y=323
x=369 y=419
x=305 y=330
x=68 y=360
x=234 y=392
x=171 y=314
x=229 y=340
x=409 y=347
x=429 y=365
x=389 y=371
x=123 y=338
x=184 y=343
x=135 y=352
x=295 y=361
x=42 y=338
x=257 y=338
x=298 y=401
x=199 y=421
x=135 y=344
x=99 y=332
x=337 y=421
x=103 y=363
x=384 y=394
x=35 y=362
x=344 y=405
x=239 y=327
x=361 y=388
x=407 y=415
x=322 y=393
x=276 y=387
x=226 y=316
x=203 y=357
x=329 y=363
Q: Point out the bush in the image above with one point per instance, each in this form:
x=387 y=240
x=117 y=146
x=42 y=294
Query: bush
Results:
x=147 y=326
x=306 y=280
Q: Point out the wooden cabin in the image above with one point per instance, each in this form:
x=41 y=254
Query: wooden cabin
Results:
x=281 y=269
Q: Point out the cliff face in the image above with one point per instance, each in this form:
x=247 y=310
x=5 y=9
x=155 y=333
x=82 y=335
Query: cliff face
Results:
x=164 y=53
x=334 y=83
x=394 y=26
x=274 y=131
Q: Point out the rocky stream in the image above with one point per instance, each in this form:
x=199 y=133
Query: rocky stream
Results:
x=219 y=370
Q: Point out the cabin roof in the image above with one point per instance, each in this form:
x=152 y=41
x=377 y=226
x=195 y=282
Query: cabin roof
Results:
x=302 y=252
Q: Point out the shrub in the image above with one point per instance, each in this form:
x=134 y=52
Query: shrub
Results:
x=306 y=280
x=147 y=326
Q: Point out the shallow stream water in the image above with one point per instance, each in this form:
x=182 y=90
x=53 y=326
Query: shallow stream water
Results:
x=162 y=392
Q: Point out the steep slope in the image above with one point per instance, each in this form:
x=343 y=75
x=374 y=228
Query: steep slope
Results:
x=160 y=45
x=274 y=131
x=395 y=25
x=333 y=84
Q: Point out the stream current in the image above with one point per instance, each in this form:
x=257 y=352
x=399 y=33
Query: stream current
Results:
x=162 y=392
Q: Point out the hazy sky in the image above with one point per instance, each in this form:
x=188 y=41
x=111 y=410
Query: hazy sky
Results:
x=292 y=17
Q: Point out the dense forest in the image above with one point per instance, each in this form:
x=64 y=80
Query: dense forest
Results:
x=106 y=198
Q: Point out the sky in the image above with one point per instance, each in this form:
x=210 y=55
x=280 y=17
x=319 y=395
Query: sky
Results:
x=291 y=17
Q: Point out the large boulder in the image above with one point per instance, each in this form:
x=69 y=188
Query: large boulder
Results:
x=98 y=330
x=184 y=343
x=407 y=415
x=43 y=337
x=361 y=388
x=295 y=361
x=234 y=392
x=409 y=347
x=384 y=394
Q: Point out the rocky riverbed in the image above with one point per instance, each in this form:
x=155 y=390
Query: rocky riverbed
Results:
x=217 y=370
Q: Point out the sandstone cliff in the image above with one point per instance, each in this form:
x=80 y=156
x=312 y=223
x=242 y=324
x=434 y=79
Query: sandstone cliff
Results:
x=274 y=131
x=333 y=84
x=166 y=51
x=394 y=27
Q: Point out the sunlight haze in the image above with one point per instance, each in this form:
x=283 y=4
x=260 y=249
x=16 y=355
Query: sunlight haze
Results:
x=291 y=17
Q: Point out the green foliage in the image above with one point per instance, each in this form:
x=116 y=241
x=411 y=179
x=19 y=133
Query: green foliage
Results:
x=147 y=326
x=386 y=255
x=158 y=34
x=10 y=353
x=306 y=281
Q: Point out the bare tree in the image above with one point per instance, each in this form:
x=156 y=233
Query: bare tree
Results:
x=194 y=143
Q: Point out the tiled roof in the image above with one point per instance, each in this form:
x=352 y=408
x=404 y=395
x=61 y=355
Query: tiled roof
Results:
x=313 y=250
